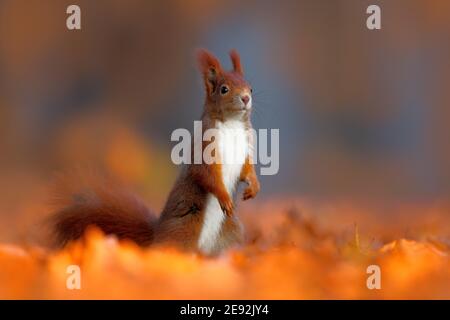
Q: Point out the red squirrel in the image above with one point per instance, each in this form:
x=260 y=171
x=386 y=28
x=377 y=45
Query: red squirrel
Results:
x=199 y=212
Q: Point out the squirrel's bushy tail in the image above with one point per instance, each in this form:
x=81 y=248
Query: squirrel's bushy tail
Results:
x=89 y=200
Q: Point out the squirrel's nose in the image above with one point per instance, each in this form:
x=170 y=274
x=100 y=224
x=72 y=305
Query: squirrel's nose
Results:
x=245 y=99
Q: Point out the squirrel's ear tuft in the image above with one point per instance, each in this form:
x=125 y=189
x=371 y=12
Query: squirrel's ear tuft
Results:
x=210 y=68
x=236 y=60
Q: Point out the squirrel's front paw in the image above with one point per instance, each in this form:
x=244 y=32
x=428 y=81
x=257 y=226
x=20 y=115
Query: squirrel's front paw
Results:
x=251 y=191
x=226 y=204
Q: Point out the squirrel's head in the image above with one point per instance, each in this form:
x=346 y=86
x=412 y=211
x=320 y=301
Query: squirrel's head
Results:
x=227 y=92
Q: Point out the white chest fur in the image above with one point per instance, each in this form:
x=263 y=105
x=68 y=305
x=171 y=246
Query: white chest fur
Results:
x=233 y=145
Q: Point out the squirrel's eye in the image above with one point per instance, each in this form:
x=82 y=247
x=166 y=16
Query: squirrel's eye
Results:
x=224 y=89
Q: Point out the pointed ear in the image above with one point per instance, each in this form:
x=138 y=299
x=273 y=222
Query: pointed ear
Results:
x=236 y=60
x=210 y=68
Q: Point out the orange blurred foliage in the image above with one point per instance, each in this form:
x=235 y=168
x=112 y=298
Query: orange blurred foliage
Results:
x=287 y=255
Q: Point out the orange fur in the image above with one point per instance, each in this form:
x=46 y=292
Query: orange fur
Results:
x=236 y=60
x=85 y=199
x=116 y=211
x=248 y=175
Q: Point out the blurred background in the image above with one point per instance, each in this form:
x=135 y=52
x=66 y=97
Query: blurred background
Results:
x=363 y=115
